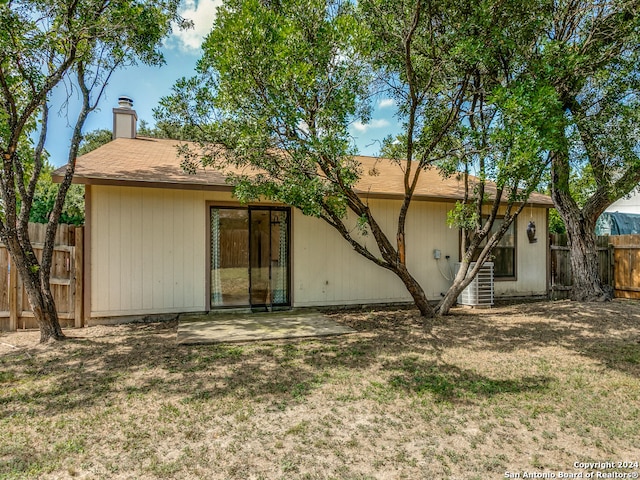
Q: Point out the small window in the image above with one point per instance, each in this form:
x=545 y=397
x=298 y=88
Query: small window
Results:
x=504 y=254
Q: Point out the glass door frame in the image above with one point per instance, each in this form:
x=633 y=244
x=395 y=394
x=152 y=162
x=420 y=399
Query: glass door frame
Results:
x=271 y=305
x=208 y=263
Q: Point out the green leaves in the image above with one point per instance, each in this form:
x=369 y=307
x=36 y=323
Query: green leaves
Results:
x=45 y=197
x=44 y=43
x=94 y=139
x=463 y=215
x=278 y=86
x=592 y=69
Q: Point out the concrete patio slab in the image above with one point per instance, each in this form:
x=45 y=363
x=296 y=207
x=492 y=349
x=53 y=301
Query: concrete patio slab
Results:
x=241 y=327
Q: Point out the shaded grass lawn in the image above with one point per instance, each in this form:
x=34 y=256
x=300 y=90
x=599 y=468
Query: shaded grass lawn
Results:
x=532 y=387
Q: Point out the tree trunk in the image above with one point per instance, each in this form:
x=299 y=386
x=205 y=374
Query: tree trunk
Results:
x=461 y=281
x=43 y=308
x=580 y=225
x=416 y=291
x=587 y=284
x=38 y=292
x=451 y=297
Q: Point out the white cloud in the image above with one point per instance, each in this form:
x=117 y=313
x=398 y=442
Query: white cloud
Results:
x=202 y=13
x=386 y=103
x=363 y=127
x=304 y=127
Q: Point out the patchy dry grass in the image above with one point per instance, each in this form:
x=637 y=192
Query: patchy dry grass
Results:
x=532 y=387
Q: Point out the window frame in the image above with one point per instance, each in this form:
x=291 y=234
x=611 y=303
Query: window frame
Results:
x=501 y=278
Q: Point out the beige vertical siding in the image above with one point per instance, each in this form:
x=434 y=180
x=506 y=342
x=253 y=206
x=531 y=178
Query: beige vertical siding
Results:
x=531 y=259
x=327 y=271
x=148 y=250
x=148 y=254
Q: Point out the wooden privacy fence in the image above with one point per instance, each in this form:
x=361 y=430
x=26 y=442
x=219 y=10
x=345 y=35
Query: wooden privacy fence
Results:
x=618 y=260
x=626 y=278
x=66 y=280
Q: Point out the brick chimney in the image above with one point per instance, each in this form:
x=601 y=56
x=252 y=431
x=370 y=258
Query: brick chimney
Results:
x=125 y=119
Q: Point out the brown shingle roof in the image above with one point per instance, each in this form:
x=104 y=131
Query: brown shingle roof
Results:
x=388 y=181
x=142 y=162
x=154 y=162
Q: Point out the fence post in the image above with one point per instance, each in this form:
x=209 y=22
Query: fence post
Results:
x=79 y=277
x=612 y=266
x=13 y=296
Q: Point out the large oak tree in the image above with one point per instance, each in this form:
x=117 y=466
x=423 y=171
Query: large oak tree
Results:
x=589 y=56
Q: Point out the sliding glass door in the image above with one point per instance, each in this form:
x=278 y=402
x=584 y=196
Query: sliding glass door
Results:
x=249 y=257
x=229 y=257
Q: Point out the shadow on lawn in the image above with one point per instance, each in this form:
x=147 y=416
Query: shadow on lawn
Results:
x=279 y=373
x=84 y=371
x=449 y=383
x=606 y=332
x=88 y=371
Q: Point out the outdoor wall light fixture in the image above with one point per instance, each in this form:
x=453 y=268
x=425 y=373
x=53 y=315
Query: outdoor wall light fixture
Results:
x=531 y=232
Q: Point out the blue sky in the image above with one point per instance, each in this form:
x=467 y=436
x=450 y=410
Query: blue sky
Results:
x=146 y=85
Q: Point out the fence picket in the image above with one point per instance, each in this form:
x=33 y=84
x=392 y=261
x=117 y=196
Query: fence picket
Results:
x=66 y=272
x=618 y=256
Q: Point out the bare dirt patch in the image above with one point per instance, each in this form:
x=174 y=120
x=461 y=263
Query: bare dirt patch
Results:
x=531 y=387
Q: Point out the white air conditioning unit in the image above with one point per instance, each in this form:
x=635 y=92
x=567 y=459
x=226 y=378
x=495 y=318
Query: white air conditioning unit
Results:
x=479 y=293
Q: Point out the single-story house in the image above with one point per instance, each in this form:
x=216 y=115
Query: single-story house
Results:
x=160 y=241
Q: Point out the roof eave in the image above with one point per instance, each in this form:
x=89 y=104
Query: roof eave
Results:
x=83 y=180
x=436 y=198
